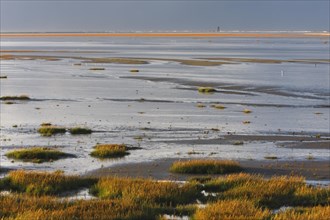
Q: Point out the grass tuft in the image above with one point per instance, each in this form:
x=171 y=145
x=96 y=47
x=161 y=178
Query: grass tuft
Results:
x=247 y=111
x=97 y=68
x=51 y=130
x=317 y=212
x=9 y=98
x=44 y=183
x=37 y=154
x=109 y=151
x=218 y=106
x=79 y=130
x=206 y=89
x=146 y=191
x=232 y=209
x=205 y=167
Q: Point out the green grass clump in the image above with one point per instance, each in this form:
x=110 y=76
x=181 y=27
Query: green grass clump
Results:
x=232 y=209
x=9 y=98
x=44 y=183
x=51 y=130
x=109 y=151
x=79 y=130
x=37 y=154
x=205 y=167
x=146 y=191
x=206 y=89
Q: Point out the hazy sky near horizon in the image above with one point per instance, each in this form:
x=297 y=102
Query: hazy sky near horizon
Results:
x=96 y=15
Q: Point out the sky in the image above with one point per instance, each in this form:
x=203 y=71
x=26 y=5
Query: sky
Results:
x=171 y=15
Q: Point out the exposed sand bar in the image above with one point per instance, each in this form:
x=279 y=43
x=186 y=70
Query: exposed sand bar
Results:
x=223 y=34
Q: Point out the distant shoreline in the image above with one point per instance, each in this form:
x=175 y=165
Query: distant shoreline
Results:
x=174 y=34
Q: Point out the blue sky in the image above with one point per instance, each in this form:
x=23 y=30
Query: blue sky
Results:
x=75 y=15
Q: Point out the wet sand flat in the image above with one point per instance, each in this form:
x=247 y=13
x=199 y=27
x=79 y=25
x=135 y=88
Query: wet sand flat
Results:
x=312 y=170
x=271 y=93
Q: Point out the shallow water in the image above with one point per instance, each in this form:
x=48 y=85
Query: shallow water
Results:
x=162 y=97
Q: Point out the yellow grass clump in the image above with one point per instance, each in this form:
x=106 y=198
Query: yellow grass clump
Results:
x=43 y=183
x=206 y=90
x=203 y=166
x=51 y=130
x=231 y=209
x=272 y=193
x=37 y=154
x=109 y=150
x=21 y=207
x=217 y=106
x=311 y=213
x=146 y=191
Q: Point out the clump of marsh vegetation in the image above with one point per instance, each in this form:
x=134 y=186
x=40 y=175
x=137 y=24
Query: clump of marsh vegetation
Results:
x=109 y=151
x=271 y=193
x=97 y=68
x=235 y=196
x=46 y=124
x=43 y=183
x=9 y=102
x=247 y=111
x=146 y=191
x=200 y=105
x=37 y=154
x=238 y=143
x=50 y=130
x=206 y=90
x=271 y=157
x=80 y=130
x=300 y=213
x=205 y=167
x=232 y=209
x=217 y=106
x=10 y=98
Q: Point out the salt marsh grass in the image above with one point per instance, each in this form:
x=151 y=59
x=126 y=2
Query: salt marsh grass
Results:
x=205 y=167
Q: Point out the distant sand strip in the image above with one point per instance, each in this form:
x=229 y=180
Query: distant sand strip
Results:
x=177 y=34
